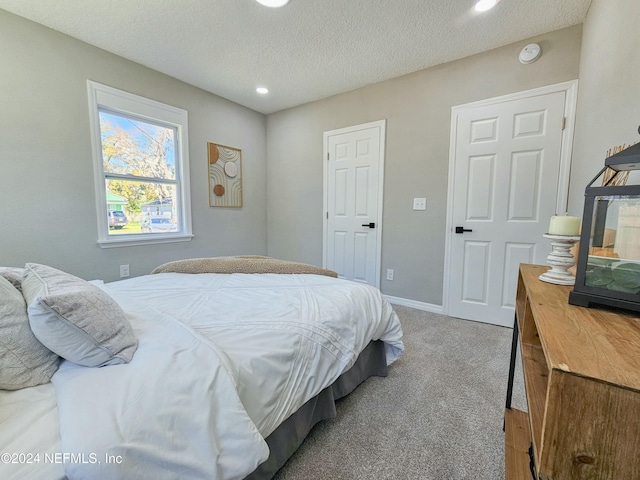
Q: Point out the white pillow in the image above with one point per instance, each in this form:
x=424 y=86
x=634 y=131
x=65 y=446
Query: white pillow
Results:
x=76 y=320
x=24 y=361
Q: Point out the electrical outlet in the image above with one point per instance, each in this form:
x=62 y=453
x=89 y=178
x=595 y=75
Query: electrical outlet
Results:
x=389 y=274
x=419 y=203
x=124 y=271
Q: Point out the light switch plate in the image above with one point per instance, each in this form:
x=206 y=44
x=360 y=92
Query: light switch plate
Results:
x=419 y=203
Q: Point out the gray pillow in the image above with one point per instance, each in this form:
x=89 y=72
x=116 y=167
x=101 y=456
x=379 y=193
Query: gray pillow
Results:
x=76 y=320
x=14 y=275
x=24 y=361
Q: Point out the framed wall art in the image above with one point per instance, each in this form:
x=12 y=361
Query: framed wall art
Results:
x=225 y=175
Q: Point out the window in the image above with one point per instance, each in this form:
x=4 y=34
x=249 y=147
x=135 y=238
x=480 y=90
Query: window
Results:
x=141 y=167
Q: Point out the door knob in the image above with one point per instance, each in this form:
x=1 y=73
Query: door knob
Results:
x=370 y=225
x=462 y=230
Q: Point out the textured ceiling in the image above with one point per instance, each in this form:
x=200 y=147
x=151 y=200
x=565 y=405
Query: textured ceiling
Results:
x=305 y=51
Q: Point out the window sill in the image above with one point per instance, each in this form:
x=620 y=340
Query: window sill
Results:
x=143 y=240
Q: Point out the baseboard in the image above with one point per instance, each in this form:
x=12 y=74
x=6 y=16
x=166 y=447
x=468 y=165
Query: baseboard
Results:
x=405 y=302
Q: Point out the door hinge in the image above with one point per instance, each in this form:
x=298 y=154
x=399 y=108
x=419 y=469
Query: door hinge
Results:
x=564 y=122
x=327 y=155
x=327 y=215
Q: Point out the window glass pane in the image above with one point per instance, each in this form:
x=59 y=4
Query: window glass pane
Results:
x=614 y=246
x=141 y=207
x=134 y=147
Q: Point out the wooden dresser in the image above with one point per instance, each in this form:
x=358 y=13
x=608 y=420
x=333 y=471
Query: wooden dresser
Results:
x=582 y=380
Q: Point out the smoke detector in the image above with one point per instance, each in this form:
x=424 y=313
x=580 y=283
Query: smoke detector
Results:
x=530 y=53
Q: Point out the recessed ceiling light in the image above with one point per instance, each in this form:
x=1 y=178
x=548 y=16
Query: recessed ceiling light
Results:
x=273 y=3
x=484 y=5
x=262 y=90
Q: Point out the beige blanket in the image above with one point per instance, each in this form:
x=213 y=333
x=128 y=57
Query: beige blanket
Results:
x=241 y=264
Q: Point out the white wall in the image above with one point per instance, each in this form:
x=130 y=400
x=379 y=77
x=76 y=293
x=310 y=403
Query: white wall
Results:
x=417 y=108
x=47 y=206
x=609 y=95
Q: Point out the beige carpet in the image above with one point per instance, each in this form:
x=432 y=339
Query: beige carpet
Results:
x=438 y=415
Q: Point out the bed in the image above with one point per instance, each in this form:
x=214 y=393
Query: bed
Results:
x=228 y=373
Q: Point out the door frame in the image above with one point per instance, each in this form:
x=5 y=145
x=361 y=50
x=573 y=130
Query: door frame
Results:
x=571 y=95
x=382 y=125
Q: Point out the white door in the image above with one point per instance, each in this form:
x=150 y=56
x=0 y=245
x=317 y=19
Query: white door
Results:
x=507 y=163
x=354 y=161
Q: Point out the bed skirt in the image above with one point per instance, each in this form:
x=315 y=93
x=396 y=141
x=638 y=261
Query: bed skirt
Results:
x=286 y=439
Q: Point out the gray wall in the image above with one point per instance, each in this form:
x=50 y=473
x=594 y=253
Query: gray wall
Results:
x=46 y=179
x=609 y=96
x=47 y=206
x=417 y=108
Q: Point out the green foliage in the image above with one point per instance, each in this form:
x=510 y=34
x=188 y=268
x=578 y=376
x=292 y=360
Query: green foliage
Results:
x=136 y=193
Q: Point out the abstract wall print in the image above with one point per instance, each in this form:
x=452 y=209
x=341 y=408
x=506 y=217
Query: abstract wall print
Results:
x=225 y=176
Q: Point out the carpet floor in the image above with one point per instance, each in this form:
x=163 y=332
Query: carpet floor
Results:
x=437 y=415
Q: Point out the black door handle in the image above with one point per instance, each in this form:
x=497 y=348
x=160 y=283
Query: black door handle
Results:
x=462 y=230
x=370 y=225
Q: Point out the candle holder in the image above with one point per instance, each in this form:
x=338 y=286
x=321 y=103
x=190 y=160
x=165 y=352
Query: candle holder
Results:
x=560 y=259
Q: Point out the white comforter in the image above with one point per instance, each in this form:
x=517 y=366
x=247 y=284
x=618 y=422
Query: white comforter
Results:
x=222 y=361
x=29 y=434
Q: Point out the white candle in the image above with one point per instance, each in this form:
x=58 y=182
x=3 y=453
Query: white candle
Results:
x=564 y=225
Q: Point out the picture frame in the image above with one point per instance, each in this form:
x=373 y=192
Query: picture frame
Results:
x=225 y=175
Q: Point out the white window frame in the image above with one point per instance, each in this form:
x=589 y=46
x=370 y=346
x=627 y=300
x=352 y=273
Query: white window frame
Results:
x=118 y=101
